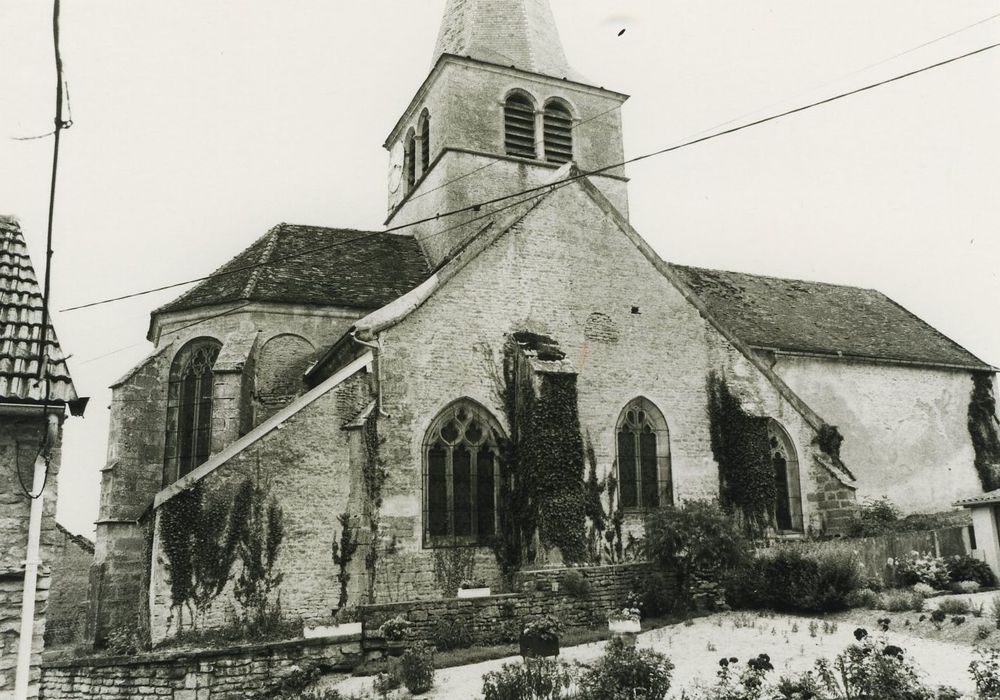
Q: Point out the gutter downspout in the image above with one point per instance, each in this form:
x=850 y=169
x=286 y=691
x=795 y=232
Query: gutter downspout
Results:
x=32 y=561
x=376 y=348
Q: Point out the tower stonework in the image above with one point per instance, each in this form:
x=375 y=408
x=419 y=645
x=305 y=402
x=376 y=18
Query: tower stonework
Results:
x=450 y=149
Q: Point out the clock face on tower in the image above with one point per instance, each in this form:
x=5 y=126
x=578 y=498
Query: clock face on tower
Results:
x=396 y=168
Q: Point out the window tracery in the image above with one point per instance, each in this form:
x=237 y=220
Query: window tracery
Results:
x=788 y=492
x=461 y=476
x=643 y=451
x=189 y=408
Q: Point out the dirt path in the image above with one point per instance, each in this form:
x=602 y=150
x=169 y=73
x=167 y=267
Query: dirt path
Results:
x=695 y=650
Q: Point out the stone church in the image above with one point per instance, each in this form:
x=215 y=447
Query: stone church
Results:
x=356 y=385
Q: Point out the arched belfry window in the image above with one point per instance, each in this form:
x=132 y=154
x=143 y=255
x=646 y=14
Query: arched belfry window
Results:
x=461 y=476
x=643 y=442
x=425 y=141
x=788 y=497
x=558 y=133
x=410 y=159
x=189 y=408
x=519 y=126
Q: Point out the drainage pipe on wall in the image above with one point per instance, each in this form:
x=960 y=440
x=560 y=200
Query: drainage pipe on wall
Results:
x=32 y=562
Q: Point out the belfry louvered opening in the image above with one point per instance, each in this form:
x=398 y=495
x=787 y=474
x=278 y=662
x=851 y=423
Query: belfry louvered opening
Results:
x=558 y=133
x=519 y=126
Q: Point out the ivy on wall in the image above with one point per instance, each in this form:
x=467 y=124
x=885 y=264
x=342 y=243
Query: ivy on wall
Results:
x=604 y=525
x=740 y=445
x=984 y=429
x=542 y=492
x=343 y=551
x=374 y=473
x=202 y=539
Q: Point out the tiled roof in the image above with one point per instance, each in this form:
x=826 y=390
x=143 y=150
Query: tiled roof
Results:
x=21 y=328
x=827 y=319
x=987 y=498
x=316 y=266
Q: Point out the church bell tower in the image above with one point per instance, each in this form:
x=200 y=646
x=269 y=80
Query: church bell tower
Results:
x=500 y=111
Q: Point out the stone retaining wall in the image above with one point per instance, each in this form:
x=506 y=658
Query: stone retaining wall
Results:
x=235 y=673
x=498 y=618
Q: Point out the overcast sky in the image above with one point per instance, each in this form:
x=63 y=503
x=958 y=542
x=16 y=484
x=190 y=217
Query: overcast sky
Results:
x=199 y=124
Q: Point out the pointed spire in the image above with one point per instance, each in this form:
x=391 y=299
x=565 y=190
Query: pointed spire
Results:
x=519 y=33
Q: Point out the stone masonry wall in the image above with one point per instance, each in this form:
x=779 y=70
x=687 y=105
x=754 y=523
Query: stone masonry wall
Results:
x=19 y=441
x=238 y=673
x=66 y=617
x=498 y=618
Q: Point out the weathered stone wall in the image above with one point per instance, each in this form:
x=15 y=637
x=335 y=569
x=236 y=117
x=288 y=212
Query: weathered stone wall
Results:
x=306 y=467
x=134 y=471
x=66 y=618
x=498 y=618
x=237 y=673
x=551 y=274
x=466 y=104
x=19 y=441
x=905 y=428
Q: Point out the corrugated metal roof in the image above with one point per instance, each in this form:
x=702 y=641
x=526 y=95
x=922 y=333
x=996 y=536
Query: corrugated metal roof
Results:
x=821 y=318
x=21 y=328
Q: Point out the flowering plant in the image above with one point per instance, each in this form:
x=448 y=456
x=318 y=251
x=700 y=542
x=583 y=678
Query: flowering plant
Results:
x=545 y=627
x=923 y=568
x=395 y=629
x=468 y=583
x=625 y=615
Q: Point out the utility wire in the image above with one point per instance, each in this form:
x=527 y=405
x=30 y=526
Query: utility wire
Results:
x=44 y=373
x=555 y=185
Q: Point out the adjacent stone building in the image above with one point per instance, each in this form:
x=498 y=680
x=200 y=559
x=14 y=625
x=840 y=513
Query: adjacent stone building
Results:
x=35 y=393
x=348 y=404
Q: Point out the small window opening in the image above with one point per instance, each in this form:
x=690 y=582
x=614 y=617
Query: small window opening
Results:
x=519 y=126
x=425 y=143
x=558 y=133
x=411 y=160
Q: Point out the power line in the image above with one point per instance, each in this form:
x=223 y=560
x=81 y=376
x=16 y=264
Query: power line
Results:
x=558 y=184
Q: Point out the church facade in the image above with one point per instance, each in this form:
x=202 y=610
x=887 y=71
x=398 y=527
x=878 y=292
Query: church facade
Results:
x=343 y=399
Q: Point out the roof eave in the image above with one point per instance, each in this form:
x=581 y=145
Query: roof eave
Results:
x=794 y=352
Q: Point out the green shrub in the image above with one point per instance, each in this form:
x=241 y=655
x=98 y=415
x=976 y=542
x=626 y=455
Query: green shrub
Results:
x=657 y=595
x=938 y=615
x=966 y=568
x=863 y=598
x=695 y=538
x=416 y=667
x=873 y=669
x=923 y=568
x=901 y=600
x=985 y=670
x=574 y=583
x=875 y=517
x=789 y=579
x=535 y=679
x=953 y=606
x=452 y=633
x=623 y=671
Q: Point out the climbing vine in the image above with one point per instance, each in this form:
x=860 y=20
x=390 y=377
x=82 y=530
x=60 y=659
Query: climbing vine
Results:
x=984 y=429
x=604 y=524
x=374 y=474
x=203 y=538
x=343 y=552
x=542 y=489
x=740 y=445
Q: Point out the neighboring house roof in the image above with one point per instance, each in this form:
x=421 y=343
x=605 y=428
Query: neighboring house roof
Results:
x=988 y=498
x=819 y=318
x=316 y=266
x=21 y=328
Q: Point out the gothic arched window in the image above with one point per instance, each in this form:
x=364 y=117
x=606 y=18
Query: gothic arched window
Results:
x=643 y=449
x=411 y=160
x=425 y=141
x=519 y=126
x=461 y=476
x=788 y=497
x=558 y=133
x=189 y=408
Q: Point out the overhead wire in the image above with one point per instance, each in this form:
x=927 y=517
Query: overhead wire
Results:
x=571 y=178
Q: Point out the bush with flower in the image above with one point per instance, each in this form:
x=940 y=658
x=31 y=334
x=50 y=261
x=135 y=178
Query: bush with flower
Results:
x=546 y=628
x=923 y=568
x=625 y=615
x=395 y=629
